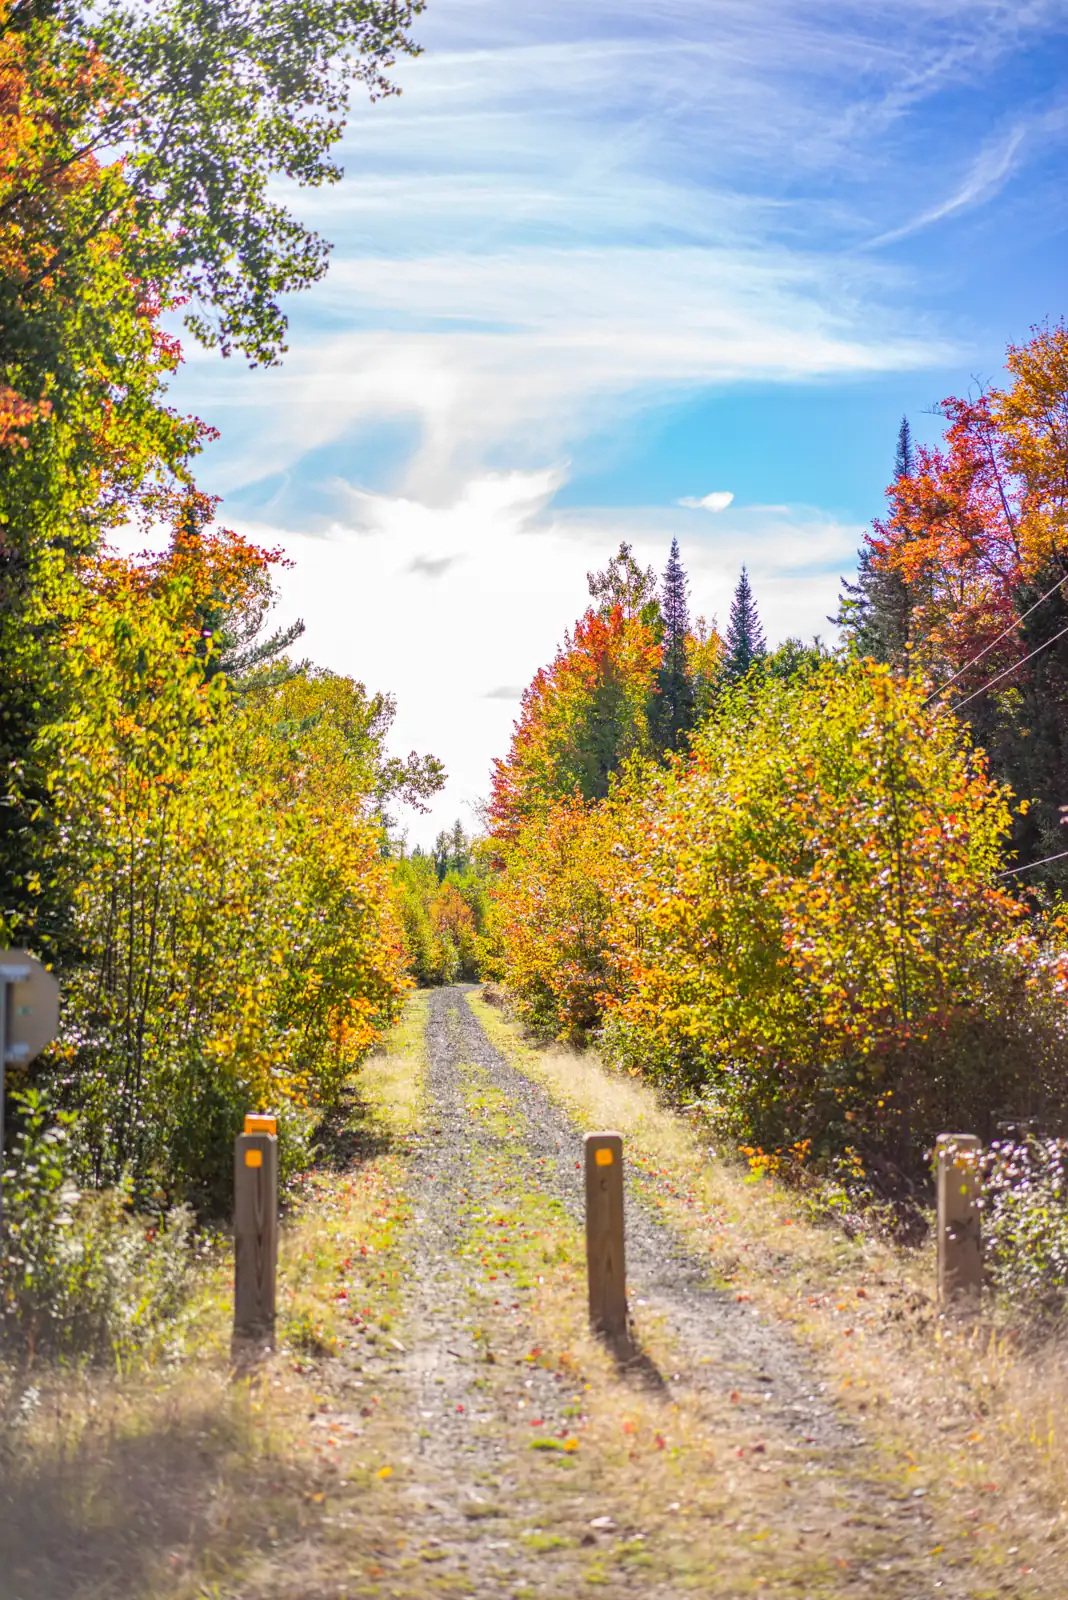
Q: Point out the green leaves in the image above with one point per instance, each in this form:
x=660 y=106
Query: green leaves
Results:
x=223 y=99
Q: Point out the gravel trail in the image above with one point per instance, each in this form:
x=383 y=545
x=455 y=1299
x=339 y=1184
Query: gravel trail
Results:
x=468 y=1492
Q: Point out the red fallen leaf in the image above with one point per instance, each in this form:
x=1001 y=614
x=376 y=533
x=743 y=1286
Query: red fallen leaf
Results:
x=735 y=1397
x=742 y=1297
x=659 y=1442
x=459 y=1408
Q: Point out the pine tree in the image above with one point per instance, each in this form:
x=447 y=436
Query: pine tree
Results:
x=675 y=705
x=903 y=458
x=745 y=636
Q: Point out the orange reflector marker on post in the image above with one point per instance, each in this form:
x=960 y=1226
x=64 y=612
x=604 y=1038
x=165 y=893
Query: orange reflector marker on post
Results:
x=256 y=1229
x=261 y=1122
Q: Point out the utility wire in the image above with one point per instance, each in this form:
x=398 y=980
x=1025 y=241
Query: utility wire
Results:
x=1016 y=664
x=987 y=648
x=1043 y=863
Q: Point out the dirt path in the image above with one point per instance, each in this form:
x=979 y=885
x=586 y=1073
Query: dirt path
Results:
x=715 y=1466
x=439 y=1424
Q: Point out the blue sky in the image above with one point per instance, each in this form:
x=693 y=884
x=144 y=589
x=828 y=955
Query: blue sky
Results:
x=601 y=259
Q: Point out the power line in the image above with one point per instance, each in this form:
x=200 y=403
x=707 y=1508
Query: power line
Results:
x=1043 y=863
x=1016 y=664
x=987 y=648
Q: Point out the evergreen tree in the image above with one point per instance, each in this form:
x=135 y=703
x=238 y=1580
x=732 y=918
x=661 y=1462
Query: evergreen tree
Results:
x=875 y=612
x=674 y=715
x=452 y=851
x=903 y=459
x=745 y=636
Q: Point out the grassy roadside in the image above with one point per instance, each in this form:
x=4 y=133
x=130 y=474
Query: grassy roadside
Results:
x=172 y=1478
x=971 y=1422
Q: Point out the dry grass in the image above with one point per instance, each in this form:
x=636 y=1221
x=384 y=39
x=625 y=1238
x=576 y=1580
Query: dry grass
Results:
x=969 y=1415
x=176 y=1478
x=698 y=1483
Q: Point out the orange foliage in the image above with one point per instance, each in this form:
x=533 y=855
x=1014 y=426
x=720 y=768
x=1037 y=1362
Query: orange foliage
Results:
x=986 y=513
x=581 y=718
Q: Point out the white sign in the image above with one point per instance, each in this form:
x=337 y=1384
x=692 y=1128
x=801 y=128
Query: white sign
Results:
x=32 y=1006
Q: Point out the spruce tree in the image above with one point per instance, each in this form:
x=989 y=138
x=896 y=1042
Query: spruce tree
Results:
x=745 y=636
x=675 y=704
x=903 y=459
x=875 y=612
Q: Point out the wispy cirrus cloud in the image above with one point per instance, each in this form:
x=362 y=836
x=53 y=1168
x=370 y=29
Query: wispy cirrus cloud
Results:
x=987 y=174
x=578 y=208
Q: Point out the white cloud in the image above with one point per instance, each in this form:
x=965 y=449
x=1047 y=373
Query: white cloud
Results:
x=541 y=346
x=576 y=208
x=718 y=500
x=457 y=651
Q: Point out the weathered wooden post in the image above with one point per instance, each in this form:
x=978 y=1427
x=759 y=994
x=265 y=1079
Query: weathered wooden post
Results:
x=605 y=1261
x=960 y=1259
x=256 y=1229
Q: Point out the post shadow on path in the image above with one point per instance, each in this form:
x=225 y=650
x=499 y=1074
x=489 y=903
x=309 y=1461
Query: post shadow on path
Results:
x=633 y=1361
x=349 y=1135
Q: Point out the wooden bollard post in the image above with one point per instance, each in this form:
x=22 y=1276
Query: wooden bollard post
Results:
x=605 y=1259
x=256 y=1229
x=960 y=1258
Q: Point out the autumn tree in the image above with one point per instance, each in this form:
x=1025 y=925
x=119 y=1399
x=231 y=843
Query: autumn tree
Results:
x=961 y=577
x=223 y=861
x=626 y=585
x=809 y=928
x=138 y=153
x=592 y=708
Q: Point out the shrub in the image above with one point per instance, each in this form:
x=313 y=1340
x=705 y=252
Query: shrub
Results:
x=236 y=944
x=549 y=918
x=1025 y=1221
x=80 y=1275
x=810 y=928
x=801 y=924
